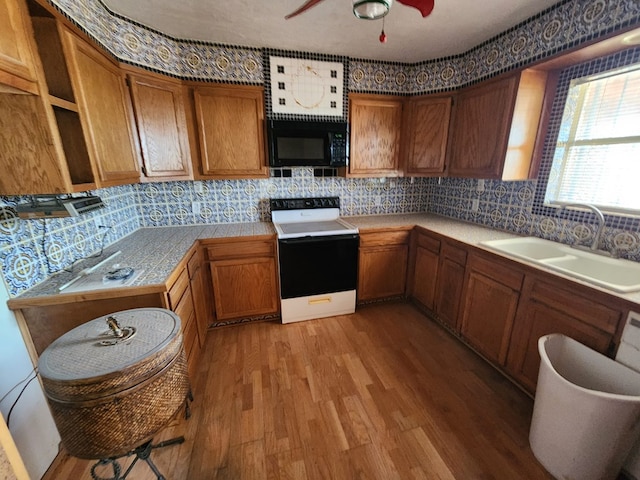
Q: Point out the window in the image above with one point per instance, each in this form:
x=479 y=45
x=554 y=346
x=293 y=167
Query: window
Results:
x=597 y=154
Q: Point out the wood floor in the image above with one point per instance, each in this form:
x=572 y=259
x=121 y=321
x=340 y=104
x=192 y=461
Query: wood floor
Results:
x=381 y=394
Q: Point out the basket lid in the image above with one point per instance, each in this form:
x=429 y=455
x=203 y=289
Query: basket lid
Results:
x=87 y=351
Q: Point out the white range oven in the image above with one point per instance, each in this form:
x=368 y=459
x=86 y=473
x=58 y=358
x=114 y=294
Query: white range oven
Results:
x=317 y=258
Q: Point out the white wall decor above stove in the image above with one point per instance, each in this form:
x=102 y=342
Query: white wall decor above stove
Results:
x=301 y=86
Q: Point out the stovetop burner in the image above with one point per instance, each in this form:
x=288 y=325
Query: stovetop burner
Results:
x=309 y=217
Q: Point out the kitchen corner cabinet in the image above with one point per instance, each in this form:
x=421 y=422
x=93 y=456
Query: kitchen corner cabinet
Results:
x=438 y=277
x=491 y=295
x=376 y=127
x=162 y=127
x=494 y=127
x=549 y=307
x=231 y=131
x=426 y=128
x=383 y=258
x=17 y=64
x=244 y=277
x=105 y=111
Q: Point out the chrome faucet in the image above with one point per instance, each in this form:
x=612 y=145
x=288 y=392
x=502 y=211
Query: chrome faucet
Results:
x=595 y=245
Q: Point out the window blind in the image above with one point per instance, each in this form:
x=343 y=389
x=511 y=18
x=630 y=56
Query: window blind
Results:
x=597 y=157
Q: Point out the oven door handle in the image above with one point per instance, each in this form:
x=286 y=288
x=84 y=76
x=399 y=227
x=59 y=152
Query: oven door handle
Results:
x=317 y=239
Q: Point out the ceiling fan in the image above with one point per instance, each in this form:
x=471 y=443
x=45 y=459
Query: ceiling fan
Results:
x=371 y=9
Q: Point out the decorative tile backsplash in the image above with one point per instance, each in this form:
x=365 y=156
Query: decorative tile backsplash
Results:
x=23 y=243
x=129 y=207
x=502 y=205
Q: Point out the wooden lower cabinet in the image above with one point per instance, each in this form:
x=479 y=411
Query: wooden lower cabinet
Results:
x=425 y=274
x=244 y=278
x=438 y=276
x=492 y=291
x=181 y=301
x=449 y=287
x=382 y=262
x=201 y=299
x=547 y=308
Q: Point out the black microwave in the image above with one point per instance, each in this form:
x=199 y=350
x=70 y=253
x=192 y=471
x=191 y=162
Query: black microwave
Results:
x=307 y=144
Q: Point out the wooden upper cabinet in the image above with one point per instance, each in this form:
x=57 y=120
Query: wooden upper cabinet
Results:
x=426 y=129
x=481 y=129
x=44 y=149
x=162 y=127
x=105 y=111
x=17 y=67
x=376 y=124
x=495 y=127
x=230 y=128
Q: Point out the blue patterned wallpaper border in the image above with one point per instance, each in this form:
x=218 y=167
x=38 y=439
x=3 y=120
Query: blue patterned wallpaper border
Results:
x=558 y=28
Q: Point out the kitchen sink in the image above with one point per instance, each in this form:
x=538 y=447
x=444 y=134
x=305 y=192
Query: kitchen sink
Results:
x=615 y=274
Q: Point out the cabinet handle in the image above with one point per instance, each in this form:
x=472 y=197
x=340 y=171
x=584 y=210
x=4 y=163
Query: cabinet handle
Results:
x=317 y=301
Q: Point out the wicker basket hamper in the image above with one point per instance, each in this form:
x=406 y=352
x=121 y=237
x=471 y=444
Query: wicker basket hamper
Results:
x=109 y=395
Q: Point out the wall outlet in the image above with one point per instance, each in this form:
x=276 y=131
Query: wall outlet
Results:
x=475 y=205
x=195 y=208
x=198 y=187
x=480 y=187
x=377 y=201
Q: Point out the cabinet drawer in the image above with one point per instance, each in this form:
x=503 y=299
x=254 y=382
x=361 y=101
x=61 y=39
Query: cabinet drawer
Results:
x=195 y=261
x=455 y=254
x=190 y=333
x=384 y=238
x=184 y=309
x=586 y=310
x=177 y=289
x=241 y=249
x=507 y=276
x=430 y=243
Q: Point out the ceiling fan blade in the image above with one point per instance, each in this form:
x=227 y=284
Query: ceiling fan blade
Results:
x=425 y=6
x=303 y=8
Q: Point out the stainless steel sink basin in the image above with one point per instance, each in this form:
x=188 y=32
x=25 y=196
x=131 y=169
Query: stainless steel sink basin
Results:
x=612 y=273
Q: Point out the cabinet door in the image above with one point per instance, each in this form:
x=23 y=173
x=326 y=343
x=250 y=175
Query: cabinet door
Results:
x=548 y=309
x=199 y=294
x=29 y=156
x=383 y=272
x=425 y=274
x=244 y=287
x=480 y=129
x=491 y=299
x=162 y=127
x=230 y=123
x=375 y=135
x=449 y=289
x=105 y=111
x=427 y=135
x=16 y=56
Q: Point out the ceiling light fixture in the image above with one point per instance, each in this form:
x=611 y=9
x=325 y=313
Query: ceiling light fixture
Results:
x=371 y=9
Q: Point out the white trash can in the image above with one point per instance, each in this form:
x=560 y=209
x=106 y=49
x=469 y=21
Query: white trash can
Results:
x=586 y=414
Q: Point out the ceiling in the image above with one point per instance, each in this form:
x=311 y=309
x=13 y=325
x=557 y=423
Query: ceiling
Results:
x=454 y=26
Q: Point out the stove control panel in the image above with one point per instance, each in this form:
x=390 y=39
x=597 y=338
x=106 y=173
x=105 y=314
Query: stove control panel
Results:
x=304 y=203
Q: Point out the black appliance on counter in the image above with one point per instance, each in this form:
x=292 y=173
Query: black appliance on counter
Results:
x=307 y=144
x=317 y=256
